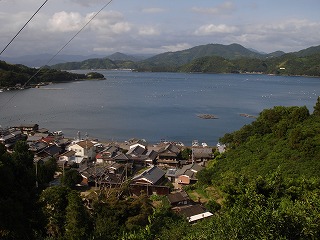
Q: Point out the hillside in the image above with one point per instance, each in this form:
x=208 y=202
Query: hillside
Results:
x=281 y=137
x=287 y=64
x=211 y=58
x=179 y=58
x=12 y=76
x=96 y=63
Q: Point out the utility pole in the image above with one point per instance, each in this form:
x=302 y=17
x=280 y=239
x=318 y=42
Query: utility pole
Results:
x=36 y=173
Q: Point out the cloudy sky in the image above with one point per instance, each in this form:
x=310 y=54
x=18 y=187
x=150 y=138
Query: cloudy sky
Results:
x=156 y=26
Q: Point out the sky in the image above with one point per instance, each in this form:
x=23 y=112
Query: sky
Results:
x=157 y=26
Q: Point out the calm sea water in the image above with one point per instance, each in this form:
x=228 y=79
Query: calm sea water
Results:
x=155 y=106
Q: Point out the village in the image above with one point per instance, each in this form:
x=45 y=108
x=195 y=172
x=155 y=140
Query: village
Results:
x=154 y=169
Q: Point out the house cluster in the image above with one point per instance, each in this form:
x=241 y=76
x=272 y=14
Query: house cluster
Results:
x=150 y=168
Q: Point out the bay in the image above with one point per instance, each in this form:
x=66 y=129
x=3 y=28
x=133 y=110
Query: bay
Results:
x=155 y=106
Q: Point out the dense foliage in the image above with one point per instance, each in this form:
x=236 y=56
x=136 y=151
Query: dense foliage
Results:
x=285 y=137
x=288 y=64
x=96 y=63
x=19 y=75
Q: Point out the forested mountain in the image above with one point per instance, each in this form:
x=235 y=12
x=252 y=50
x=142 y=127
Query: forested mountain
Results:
x=287 y=64
x=122 y=57
x=212 y=58
x=19 y=75
x=41 y=59
x=308 y=51
x=179 y=58
x=96 y=63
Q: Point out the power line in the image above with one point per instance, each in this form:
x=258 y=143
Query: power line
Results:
x=64 y=46
x=24 y=26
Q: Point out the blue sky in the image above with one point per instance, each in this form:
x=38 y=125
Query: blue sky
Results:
x=156 y=26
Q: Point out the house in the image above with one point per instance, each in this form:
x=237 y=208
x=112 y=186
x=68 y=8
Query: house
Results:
x=178 y=198
x=116 y=168
x=99 y=175
x=49 y=140
x=28 y=128
x=193 y=213
x=136 y=151
x=142 y=156
x=138 y=142
x=171 y=174
x=68 y=156
x=187 y=174
x=151 y=176
x=169 y=155
x=122 y=158
x=50 y=151
x=221 y=147
x=201 y=154
x=83 y=149
x=36 y=147
x=10 y=137
x=107 y=155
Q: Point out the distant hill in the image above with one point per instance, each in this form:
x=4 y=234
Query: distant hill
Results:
x=287 y=64
x=214 y=58
x=122 y=57
x=96 y=63
x=42 y=59
x=275 y=54
x=14 y=76
x=308 y=51
x=179 y=58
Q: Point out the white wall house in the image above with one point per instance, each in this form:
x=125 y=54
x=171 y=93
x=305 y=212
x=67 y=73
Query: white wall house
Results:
x=84 y=149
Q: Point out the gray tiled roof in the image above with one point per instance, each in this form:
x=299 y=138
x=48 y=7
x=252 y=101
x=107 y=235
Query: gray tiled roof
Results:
x=153 y=175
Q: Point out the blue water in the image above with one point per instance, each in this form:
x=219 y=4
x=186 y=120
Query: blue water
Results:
x=155 y=106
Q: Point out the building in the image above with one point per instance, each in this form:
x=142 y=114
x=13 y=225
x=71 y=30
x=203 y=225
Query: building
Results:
x=193 y=213
x=187 y=174
x=151 y=176
x=178 y=199
x=169 y=155
x=83 y=149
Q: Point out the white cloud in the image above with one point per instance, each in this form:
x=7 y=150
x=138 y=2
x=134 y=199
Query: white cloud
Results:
x=210 y=29
x=153 y=10
x=109 y=23
x=121 y=27
x=65 y=22
x=177 y=47
x=286 y=35
x=148 y=31
x=221 y=9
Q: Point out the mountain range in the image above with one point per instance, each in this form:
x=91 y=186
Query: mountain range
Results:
x=214 y=58
x=211 y=58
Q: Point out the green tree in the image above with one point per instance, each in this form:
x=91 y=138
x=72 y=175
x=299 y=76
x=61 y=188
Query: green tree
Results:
x=71 y=178
x=18 y=200
x=77 y=219
x=54 y=202
x=316 y=108
x=46 y=170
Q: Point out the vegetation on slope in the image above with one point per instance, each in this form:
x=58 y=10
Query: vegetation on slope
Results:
x=14 y=75
x=215 y=58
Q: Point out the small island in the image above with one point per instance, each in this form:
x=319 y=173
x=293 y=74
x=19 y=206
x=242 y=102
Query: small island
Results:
x=247 y=115
x=207 y=116
x=95 y=76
